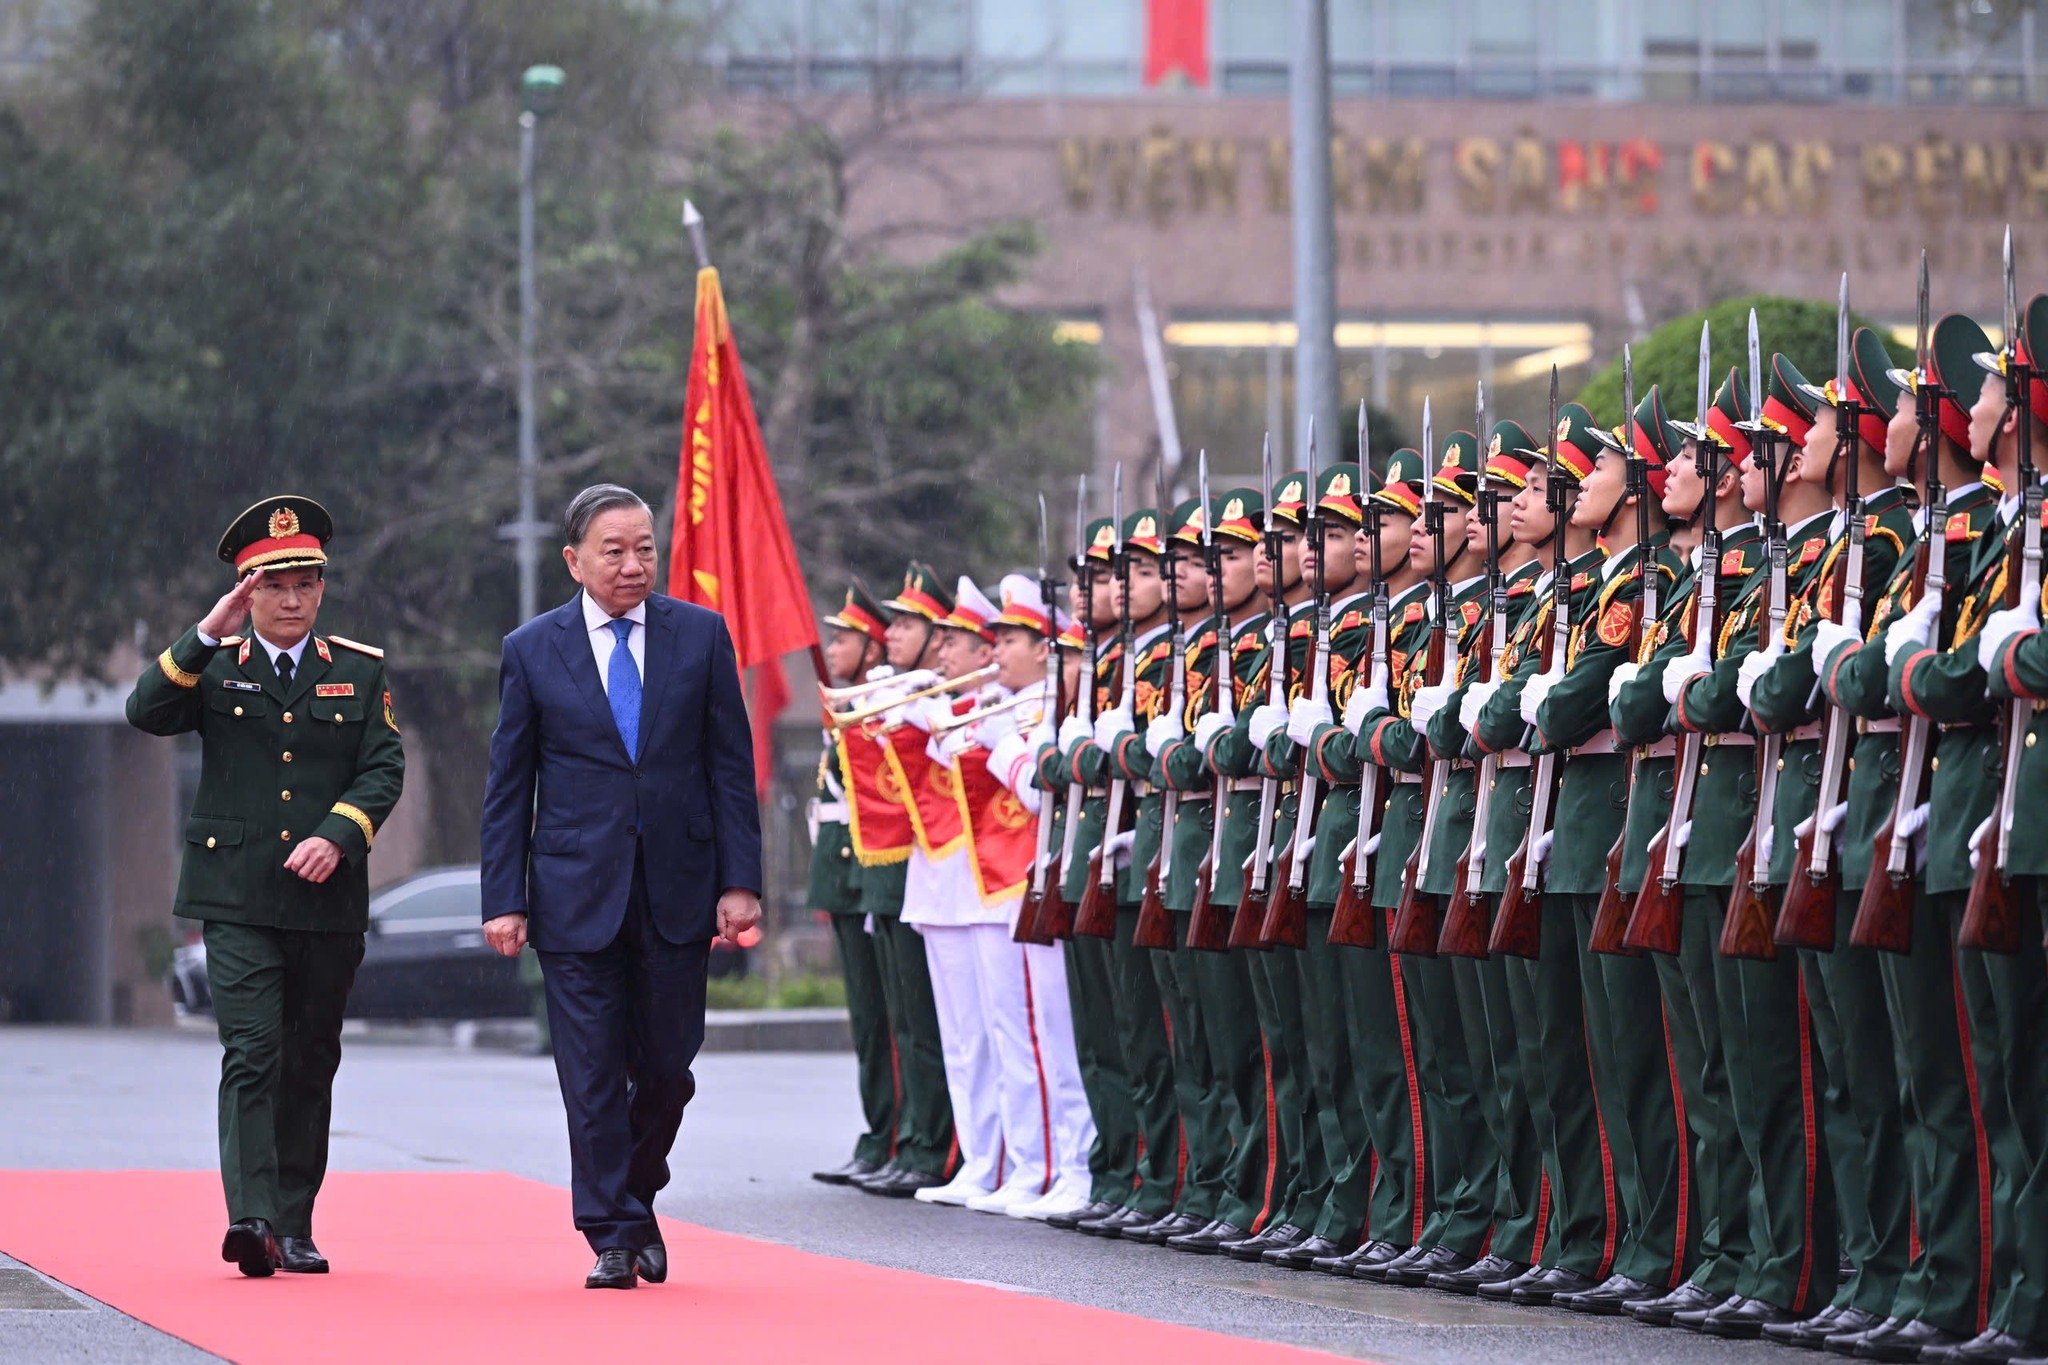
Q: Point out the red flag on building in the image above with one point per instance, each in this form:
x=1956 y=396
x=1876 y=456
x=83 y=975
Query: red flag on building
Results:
x=731 y=550
x=1177 y=43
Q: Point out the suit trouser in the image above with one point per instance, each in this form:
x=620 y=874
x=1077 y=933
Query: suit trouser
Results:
x=924 y=1114
x=868 y=1015
x=1339 y=1109
x=1861 y=1114
x=278 y=998
x=1720 y=1168
x=1635 y=1082
x=972 y=997
x=1113 y=1156
x=1487 y=1016
x=1237 y=1100
x=1377 y=1024
x=1148 y=1062
x=627 y=1021
x=1549 y=1001
x=1950 y=1284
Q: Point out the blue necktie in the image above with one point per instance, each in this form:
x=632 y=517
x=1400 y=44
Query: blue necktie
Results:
x=623 y=684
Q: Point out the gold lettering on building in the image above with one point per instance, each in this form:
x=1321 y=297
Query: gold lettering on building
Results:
x=1477 y=160
x=1884 y=179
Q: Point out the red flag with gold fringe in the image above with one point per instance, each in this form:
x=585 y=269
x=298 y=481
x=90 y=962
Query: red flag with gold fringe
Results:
x=731 y=550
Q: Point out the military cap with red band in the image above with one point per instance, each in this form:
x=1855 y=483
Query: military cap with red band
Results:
x=1956 y=341
x=972 y=611
x=1101 y=540
x=1457 y=471
x=1656 y=439
x=1399 y=489
x=1870 y=386
x=2033 y=327
x=1023 y=605
x=1509 y=454
x=1788 y=402
x=288 y=532
x=1727 y=418
x=1337 y=493
x=1184 y=527
x=1290 y=497
x=922 y=594
x=1240 y=515
x=860 y=614
x=1142 y=532
x=1576 y=443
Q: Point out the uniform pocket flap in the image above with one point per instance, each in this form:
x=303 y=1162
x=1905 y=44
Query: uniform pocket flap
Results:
x=343 y=709
x=557 y=840
x=213 y=831
x=233 y=702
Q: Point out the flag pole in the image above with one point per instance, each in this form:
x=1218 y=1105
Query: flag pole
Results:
x=693 y=223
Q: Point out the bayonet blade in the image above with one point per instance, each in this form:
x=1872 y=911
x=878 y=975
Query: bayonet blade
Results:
x=1703 y=394
x=1044 y=542
x=1842 y=338
x=1628 y=400
x=1116 y=510
x=1428 y=450
x=1081 y=519
x=1312 y=471
x=1479 y=413
x=1266 y=478
x=1202 y=493
x=1756 y=372
x=2012 y=299
x=1920 y=323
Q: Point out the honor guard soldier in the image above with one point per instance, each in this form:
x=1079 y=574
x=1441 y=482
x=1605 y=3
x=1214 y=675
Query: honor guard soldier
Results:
x=300 y=764
x=854 y=645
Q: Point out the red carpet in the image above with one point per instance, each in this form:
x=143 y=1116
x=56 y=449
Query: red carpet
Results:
x=463 y=1267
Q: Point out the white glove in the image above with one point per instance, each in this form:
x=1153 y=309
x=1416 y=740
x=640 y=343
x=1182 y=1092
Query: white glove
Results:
x=923 y=715
x=1764 y=844
x=915 y=678
x=1916 y=627
x=1010 y=762
x=2002 y=625
x=1682 y=670
x=1308 y=846
x=1163 y=731
x=1620 y=678
x=1118 y=848
x=1364 y=701
x=1829 y=636
x=1914 y=827
x=1372 y=845
x=1684 y=835
x=1476 y=697
x=1111 y=726
x=1208 y=727
x=949 y=746
x=997 y=727
x=1428 y=701
x=1753 y=667
x=1534 y=691
x=1980 y=835
x=1829 y=823
x=1265 y=720
x=1074 y=730
x=1304 y=717
x=1541 y=849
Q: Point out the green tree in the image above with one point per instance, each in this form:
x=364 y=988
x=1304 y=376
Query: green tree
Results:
x=1802 y=330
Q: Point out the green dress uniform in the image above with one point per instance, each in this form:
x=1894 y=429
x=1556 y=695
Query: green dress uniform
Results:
x=1861 y=1115
x=834 y=886
x=311 y=754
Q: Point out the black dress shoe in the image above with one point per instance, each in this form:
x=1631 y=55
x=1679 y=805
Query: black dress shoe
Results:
x=1304 y=1254
x=300 y=1256
x=652 y=1261
x=885 y=1172
x=1692 y=1319
x=1270 y=1238
x=1687 y=1298
x=1745 y=1320
x=1368 y=1253
x=1809 y=1333
x=614 y=1270
x=1416 y=1272
x=900 y=1185
x=853 y=1170
x=1555 y=1281
x=1378 y=1273
x=1502 y=1291
x=1901 y=1339
x=1486 y=1270
x=1172 y=1225
x=252 y=1246
x=1604 y=1300
x=1116 y=1223
x=1068 y=1222
x=1209 y=1240
x=1989 y=1347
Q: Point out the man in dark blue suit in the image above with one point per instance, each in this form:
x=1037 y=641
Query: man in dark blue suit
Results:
x=620 y=831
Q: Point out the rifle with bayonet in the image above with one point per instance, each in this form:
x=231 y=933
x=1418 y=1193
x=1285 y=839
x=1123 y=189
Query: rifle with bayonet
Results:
x=1465 y=925
x=1884 y=913
x=1055 y=916
x=1028 y=929
x=1806 y=916
x=1097 y=915
x=1416 y=926
x=1208 y=926
x=1610 y=918
x=1251 y=907
x=1155 y=921
x=1286 y=920
x=1989 y=922
x=1353 y=924
x=1748 y=930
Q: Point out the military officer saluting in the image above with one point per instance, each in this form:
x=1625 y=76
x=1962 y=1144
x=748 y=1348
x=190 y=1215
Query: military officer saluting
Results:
x=301 y=764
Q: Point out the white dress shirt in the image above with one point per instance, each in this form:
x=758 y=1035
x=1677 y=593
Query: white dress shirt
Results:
x=297 y=651
x=603 y=640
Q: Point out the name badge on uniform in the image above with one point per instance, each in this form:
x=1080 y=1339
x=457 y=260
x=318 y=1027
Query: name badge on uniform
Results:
x=334 y=690
x=236 y=685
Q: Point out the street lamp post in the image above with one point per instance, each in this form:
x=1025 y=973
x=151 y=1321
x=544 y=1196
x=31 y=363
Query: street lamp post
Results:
x=1315 y=256
x=539 y=88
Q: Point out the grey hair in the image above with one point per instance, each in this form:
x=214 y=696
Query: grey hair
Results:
x=599 y=497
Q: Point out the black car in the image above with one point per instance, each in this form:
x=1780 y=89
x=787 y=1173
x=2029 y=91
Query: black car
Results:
x=424 y=958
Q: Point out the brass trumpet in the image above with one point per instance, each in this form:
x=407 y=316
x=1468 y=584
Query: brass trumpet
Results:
x=833 y=696
x=996 y=708
x=860 y=715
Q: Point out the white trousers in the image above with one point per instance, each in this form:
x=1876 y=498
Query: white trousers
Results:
x=1072 y=1125
x=969 y=1052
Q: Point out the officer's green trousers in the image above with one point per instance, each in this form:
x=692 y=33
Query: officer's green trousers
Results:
x=1861 y=1115
x=1486 y=1016
x=1457 y=1151
x=867 y=1012
x=1202 y=1128
x=2024 y=1309
x=1339 y=1111
x=278 y=997
x=924 y=1115
x=1113 y=1160
x=1298 y=1183
x=1148 y=1061
x=1383 y=1069
x=1634 y=1079
x=1237 y=1117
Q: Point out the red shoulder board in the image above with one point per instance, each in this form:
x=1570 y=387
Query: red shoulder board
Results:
x=1731 y=563
x=1471 y=611
x=1870 y=522
x=1301 y=628
x=1352 y=620
x=1523 y=588
x=1397 y=662
x=1616 y=622
x=1958 y=527
x=1247 y=644
x=1208 y=641
x=1581 y=579
x=1415 y=612
x=1808 y=552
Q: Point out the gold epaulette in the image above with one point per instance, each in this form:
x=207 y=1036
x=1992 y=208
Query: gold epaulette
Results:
x=357 y=646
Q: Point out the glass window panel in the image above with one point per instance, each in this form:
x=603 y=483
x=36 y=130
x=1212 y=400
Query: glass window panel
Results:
x=1420 y=30
x=1804 y=21
x=1669 y=21
x=1017 y=43
x=1504 y=26
x=1351 y=39
x=461 y=900
x=930 y=28
x=761 y=28
x=1094 y=32
x=842 y=28
x=1251 y=30
x=1738 y=25
x=1866 y=34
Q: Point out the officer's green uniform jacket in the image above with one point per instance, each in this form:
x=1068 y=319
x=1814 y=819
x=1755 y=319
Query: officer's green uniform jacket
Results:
x=833 y=886
x=1233 y=755
x=1350 y=637
x=320 y=759
x=1457 y=805
x=1638 y=713
x=1948 y=686
x=1131 y=761
x=1084 y=763
x=1786 y=697
x=1509 y=807
x=1179 y=766
x=1592 y=794
x=2020 y=671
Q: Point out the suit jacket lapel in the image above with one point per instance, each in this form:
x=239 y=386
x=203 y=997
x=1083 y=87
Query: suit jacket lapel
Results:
x=658 y=660
x=311 y=669
x=254 y=661
x=571 y=643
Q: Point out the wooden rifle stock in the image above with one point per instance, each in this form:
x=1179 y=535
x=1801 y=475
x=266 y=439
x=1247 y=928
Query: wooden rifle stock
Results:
x=1285 y=923
x=1747 y=930
x=1055 y=912
x=1465 y=924
x=1806 y=915
x=1354 y=923
x=1155 y=921
x=1246 y=923
x=1208 y=922
x=1654 y=923
x=1417 y=928
x=1097 y=916
x=1884 y=913
x=1610 y=920
x=1989 y=924
x=1518 y=922
x=1031 y=916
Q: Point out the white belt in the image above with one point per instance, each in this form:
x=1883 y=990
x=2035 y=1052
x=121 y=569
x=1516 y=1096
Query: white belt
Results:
x=1602 y=743
x=828 y=812
x=1810 y=730
x=1408 y=779
x=1511 y=758
x=1729 y=739
x=1245 y=784
x=1666 y=747
x=1883 y=725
